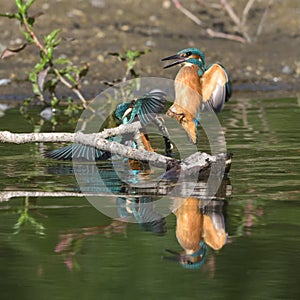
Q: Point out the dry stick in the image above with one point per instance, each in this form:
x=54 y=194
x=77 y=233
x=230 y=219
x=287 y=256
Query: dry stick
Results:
x=213 y=5
x=209 y=31
x=231 y=12
x=7 y=195
x=227 y=36
x=263 y=19
x=246 y=12
x=187 y=12
x=70 y=86
x=236 y=19
x=22 y=138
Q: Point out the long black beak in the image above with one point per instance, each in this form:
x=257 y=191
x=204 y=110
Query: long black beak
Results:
x=176 y=56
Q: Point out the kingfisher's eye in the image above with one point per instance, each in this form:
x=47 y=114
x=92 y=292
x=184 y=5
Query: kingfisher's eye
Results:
x=188 y=54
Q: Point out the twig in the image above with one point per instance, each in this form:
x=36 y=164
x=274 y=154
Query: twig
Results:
x=236 y=19
x=187 y=12
x=71 y=87
x=263 y=19
x=246 y=12
x=33 y=36
x=211 y=32
x=227 y=36
x=231 y=12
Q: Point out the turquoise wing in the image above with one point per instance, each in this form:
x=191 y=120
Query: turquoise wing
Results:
x=78 y=152
x=147 y=107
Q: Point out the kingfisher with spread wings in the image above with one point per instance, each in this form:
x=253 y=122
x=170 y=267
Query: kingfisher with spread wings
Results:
x=197 y=87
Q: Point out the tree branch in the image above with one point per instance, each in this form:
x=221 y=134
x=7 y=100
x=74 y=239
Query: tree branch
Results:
x=190 y=15
x=263 y=19
x=227 y=36
x=194 y=163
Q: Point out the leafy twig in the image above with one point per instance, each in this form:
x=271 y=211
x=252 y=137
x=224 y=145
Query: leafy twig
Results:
x=46 y=73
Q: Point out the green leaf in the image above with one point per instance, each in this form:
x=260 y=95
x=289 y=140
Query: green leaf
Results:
x=54 y=102
x=50 y=38
x=32 y=76
x=35 y=89
x=28 y=4
x=50 y=85
x=49 y=52
x=71 y=78
x=21 y=6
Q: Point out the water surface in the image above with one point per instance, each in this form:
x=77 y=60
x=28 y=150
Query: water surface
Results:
x=62 y=247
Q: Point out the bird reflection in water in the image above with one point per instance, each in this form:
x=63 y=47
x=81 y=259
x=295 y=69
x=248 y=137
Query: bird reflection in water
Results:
x=198 y=227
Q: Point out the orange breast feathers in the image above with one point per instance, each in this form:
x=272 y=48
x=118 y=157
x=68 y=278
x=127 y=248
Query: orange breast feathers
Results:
x=189 y=225
x=192 y=226
x=188 y=89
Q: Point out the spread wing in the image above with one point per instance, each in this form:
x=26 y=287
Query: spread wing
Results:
x=215 y=88
x=148 y=106
x=78 y=152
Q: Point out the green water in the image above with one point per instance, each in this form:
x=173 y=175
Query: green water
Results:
x=105 y=260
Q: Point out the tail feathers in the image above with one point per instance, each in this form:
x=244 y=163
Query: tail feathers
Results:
x=78 y=152
x=186 y=119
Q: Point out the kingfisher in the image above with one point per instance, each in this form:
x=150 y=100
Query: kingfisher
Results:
x=197 y=227
x=145 y=109
x=198 y=87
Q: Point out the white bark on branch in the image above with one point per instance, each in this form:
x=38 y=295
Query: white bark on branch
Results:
x=22 y=138
x=195 y=162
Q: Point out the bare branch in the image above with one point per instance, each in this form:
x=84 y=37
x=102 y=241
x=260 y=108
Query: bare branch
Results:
x=71 y=87
x=187 y=12
x=246 y=12
x=97 y=140
x=22 y=138
x=263 y=19
x=194 y=163
x=231 y=12
x=227 y=36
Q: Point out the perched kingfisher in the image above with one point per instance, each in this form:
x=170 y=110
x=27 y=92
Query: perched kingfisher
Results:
x=145 y=109
x=197 y=87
